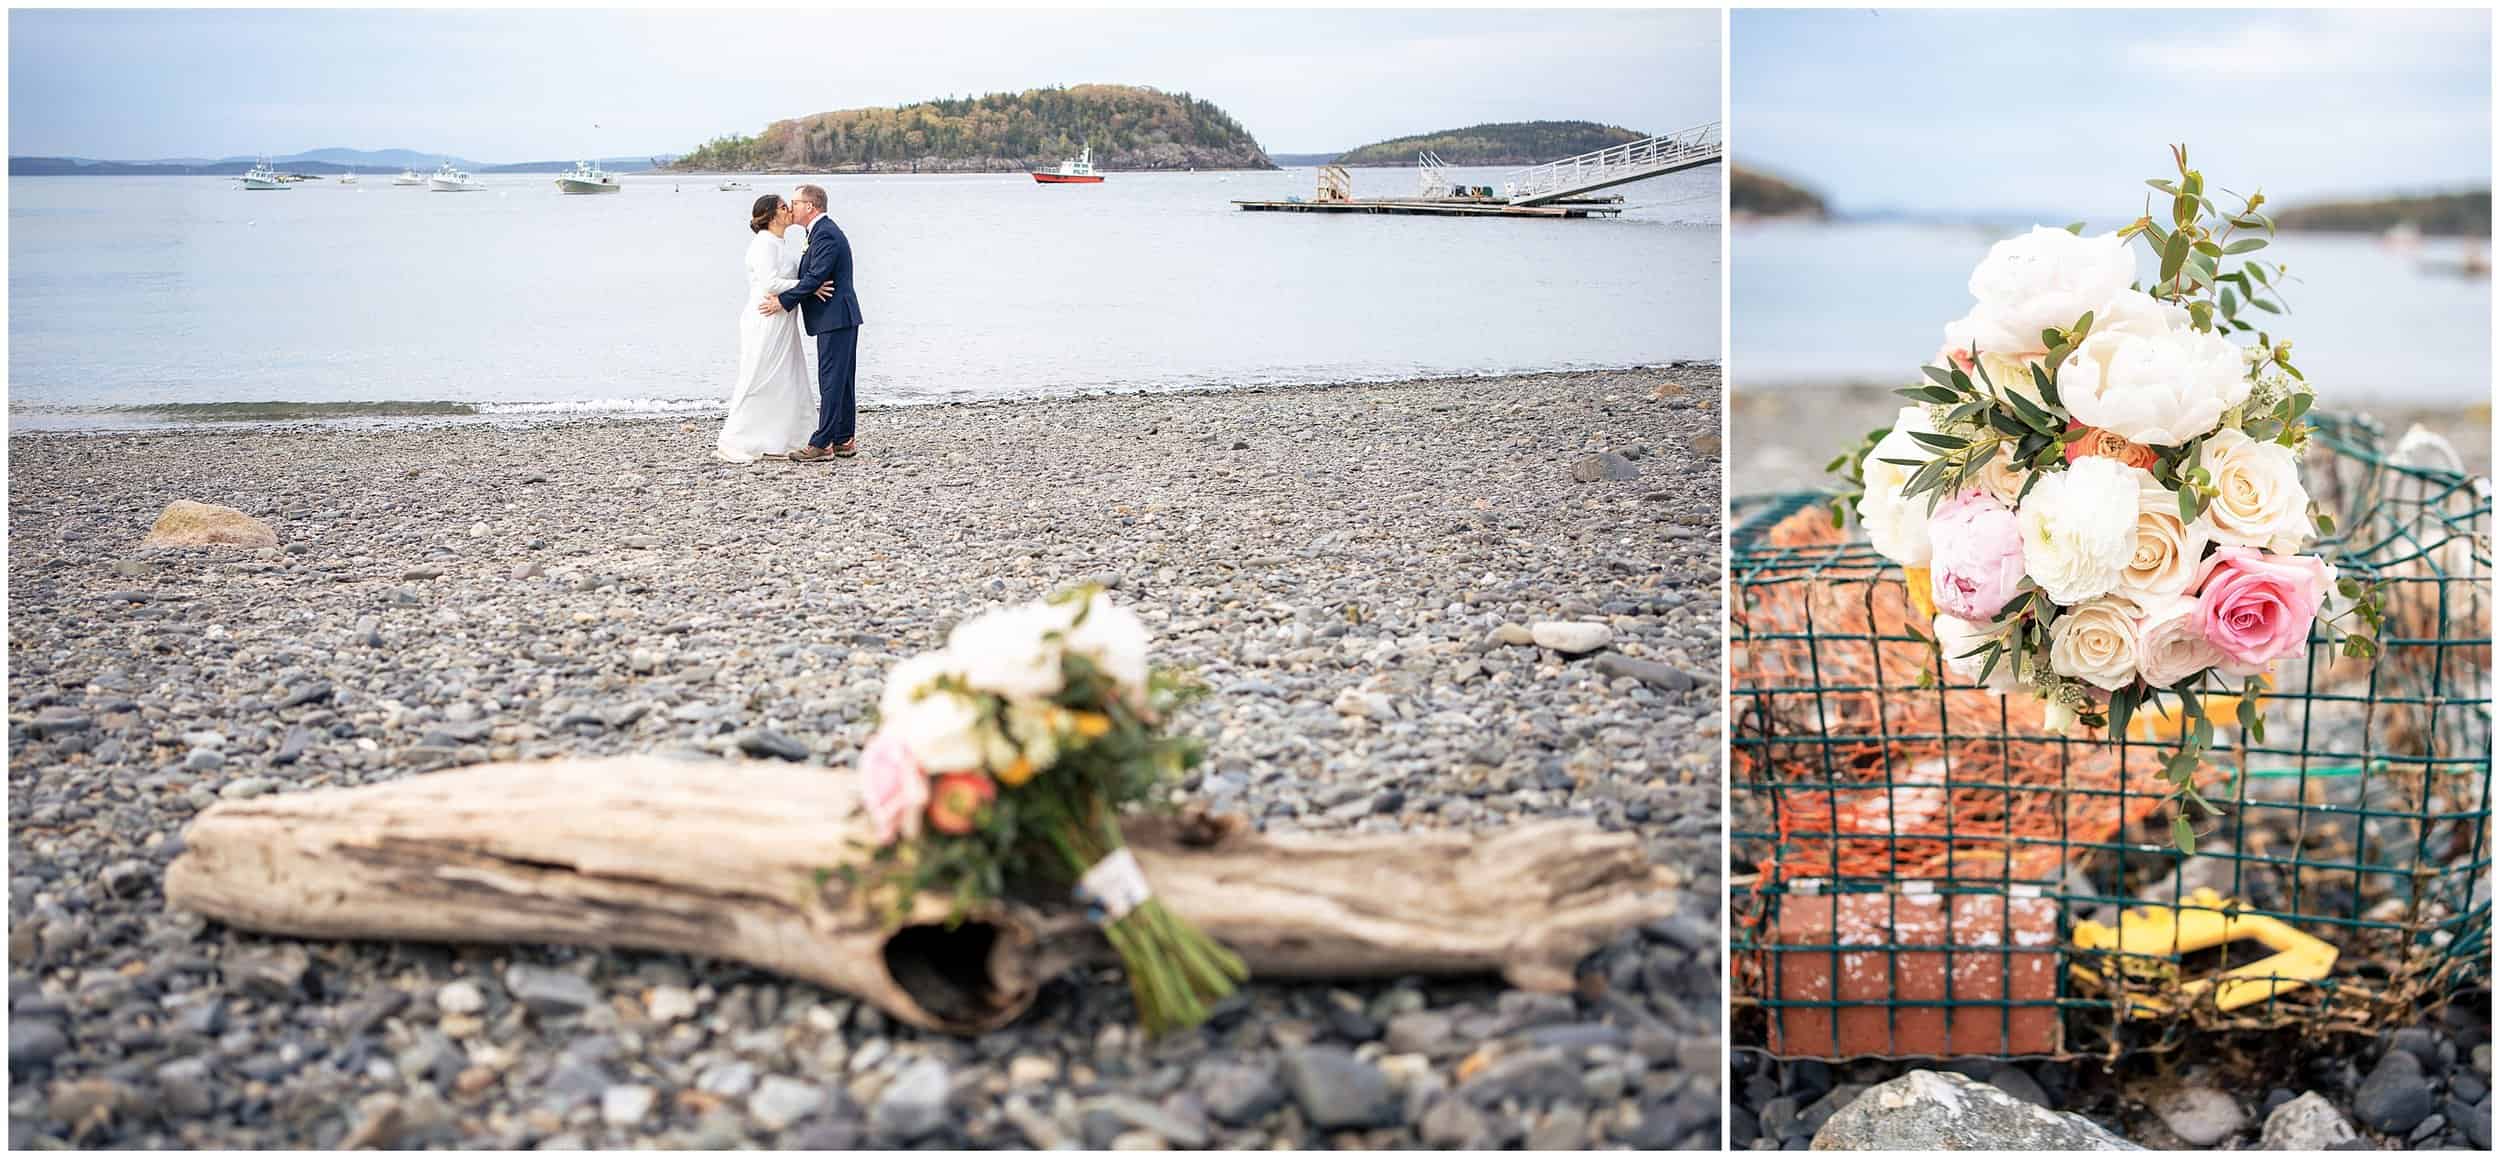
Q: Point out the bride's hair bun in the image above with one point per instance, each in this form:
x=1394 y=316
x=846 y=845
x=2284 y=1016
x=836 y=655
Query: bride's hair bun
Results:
x=765 y=207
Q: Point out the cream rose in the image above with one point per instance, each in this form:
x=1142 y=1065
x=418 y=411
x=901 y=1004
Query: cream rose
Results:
x=1897 y=525
x=2157 y=389
x=2260 y=501
x=2170 y=643
x=2000 y=477
x=2078 y=529
x=1955 y=636
x=2167 y=549
x=2041 y=280
x=2095 y=642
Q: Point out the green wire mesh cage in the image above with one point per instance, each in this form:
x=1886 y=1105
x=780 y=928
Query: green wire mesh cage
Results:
x=1924 y=871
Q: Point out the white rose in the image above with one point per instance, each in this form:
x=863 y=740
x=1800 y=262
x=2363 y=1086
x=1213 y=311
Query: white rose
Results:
x=2259 y=501
x=1115 y=640
x=2078 y=529
x=910 y=678
x=1956 y=636
x=1010 y=652
x=943 y=731
x=2095 y=642
x=2001 y=477
x=2170 y=643
x=2157 y=389
x=1897 y=525
x=2167 y=549
x=2042 y=280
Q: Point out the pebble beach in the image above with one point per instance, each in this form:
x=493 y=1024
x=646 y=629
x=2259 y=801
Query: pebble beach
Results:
x=1357 y=572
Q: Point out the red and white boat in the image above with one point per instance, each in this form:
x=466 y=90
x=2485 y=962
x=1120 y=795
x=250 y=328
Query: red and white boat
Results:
x=1077 y=172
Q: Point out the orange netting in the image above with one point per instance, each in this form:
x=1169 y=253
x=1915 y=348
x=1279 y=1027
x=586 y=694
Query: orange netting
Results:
x=1878 y=778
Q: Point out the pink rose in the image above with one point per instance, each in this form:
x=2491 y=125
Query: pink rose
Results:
x=892 y=787
x=1978 y=555
x=2256 y=608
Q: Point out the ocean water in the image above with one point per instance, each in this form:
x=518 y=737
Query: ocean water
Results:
x=1815 y=303
x=146 y=300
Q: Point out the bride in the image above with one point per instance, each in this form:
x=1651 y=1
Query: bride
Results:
x=772 y=410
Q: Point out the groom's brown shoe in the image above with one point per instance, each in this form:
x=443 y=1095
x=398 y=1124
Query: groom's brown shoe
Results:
x=810 y=455
x=844 y=449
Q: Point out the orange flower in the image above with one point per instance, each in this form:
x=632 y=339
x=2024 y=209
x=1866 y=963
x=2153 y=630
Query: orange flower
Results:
x=1092 y=724
x=957 y=800
x=2101 y=444
x=1016 y=773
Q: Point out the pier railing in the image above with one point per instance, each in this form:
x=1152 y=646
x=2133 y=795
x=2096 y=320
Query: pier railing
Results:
x=1615 y=165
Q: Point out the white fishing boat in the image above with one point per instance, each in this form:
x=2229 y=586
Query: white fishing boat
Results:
x=407 y=177
x=587 y=178
x=450 y=180
x=262 y=176
x=347 y=179
x=734 y=186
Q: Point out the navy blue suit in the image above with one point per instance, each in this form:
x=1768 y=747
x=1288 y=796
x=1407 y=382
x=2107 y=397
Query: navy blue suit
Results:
x=835 y=322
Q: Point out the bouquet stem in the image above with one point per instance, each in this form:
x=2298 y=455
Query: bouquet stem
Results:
x=1175 y=971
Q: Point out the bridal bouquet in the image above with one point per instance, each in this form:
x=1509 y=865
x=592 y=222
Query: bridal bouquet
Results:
x=1005 y=759
x=2096 y=495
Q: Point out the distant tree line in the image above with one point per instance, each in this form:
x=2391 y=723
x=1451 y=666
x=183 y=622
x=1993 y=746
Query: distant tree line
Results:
x=1756 y=192
x=1510 y=143
x=1127 y=127
x=2439 y=215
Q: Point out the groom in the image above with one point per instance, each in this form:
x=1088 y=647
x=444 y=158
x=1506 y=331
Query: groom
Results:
x=834 y=321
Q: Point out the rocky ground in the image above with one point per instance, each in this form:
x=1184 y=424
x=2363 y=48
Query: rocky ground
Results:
x=2424 y=1087
x=1345 y=566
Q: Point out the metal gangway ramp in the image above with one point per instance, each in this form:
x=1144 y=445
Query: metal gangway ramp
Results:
x=1574 y=177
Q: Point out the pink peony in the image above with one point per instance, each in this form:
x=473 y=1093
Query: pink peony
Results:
x=1977 y=560
x=892 y=787
x=2256 y=608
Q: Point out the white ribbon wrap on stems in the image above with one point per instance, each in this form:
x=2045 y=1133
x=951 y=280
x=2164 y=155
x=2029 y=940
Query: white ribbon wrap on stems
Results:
x=1113 y=887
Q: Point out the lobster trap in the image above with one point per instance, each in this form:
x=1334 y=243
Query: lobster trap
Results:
x=1924 y=871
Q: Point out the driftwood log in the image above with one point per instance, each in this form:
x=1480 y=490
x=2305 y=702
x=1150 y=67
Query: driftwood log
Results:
x=724 y=859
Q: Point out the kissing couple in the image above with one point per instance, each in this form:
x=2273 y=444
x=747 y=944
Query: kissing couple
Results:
x=791 y=295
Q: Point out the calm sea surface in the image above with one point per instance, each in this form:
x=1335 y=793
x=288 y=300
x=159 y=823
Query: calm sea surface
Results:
x=1817 y=303
x=177 y=298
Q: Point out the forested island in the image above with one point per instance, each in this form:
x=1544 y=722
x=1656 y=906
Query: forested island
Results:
x=2465 y=214
x=1506 y=143
x=1128 y=128
x=1756 y=193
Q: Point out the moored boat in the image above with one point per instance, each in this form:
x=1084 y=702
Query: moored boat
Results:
x=262 y=176
x=407 y=177
x=1079 y=171
x=587 y=178
x=734 y=186
x=450 y=180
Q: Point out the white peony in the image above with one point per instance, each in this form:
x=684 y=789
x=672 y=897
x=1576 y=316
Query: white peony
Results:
x=2259 y=500
x=2139 y=313
x=2157 y=389
x=2167 y=549
x=1113 y=638
x=911 y=677
x=2170 y=643
x=2042 y=280
x=2095 y=642
x=943 y=730
x=1011 y=652
x=1955 y=636
x=2078 y=529
x=1897 y=525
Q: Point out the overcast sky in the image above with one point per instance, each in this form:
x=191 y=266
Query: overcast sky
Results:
x=516 y=86
x=2064 y=111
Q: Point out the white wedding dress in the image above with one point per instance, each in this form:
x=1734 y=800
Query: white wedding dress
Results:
x=772 y=410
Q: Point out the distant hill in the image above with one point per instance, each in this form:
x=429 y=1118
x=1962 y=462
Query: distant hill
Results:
x=1128 y=127
x=323 y=161
x=1754 y=192
x=1297 y=160
x=1510 y=143
x=2466 y=214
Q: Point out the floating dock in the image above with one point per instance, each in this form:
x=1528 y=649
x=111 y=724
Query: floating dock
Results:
x=1441 y=207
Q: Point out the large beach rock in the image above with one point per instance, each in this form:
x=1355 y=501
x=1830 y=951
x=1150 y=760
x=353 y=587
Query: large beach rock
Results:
x=1571 y=637
x=2308 y=1123
x=189 y=524
x=1929 y=1111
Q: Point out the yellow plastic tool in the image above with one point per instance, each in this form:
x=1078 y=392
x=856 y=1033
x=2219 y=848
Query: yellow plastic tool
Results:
x=1922 y=584
x=2145 y=936
x=2164 y=724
